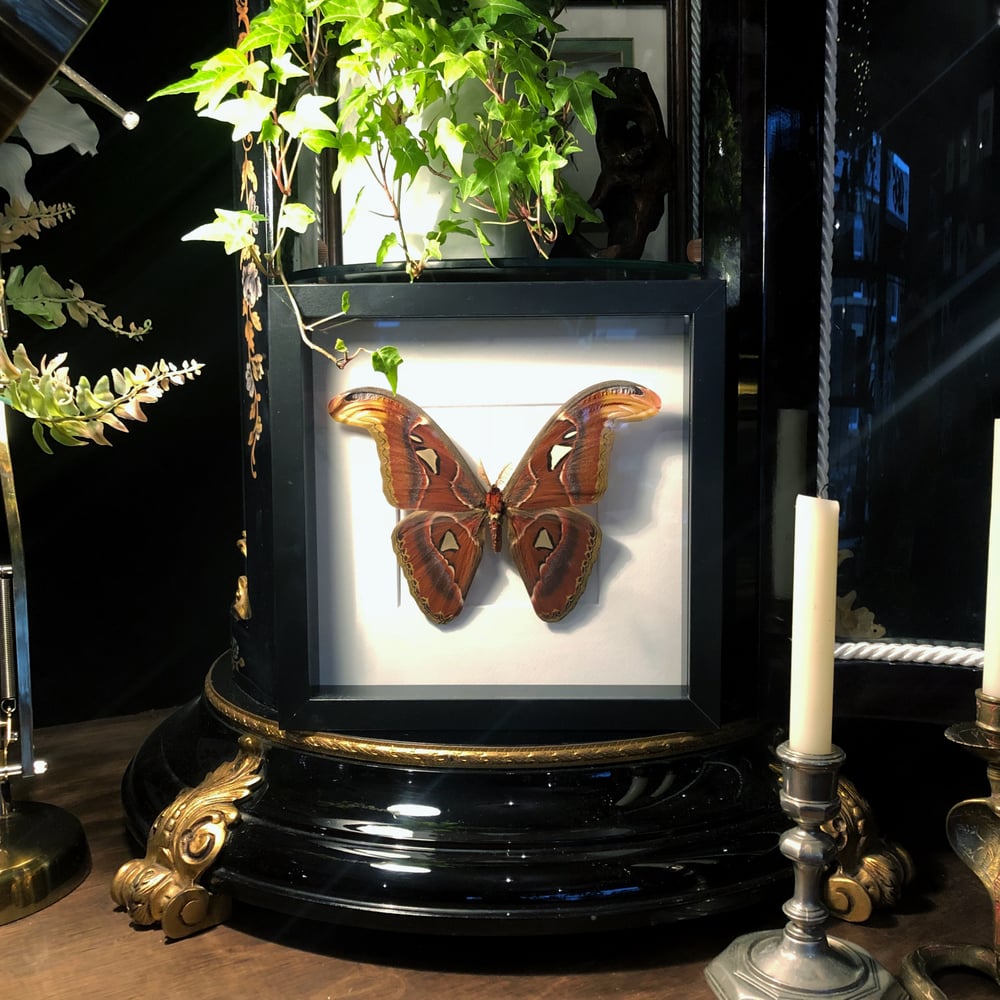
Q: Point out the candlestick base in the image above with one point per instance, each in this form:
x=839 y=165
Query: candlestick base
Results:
x=762 y=966
x=800 y=961
x=973 y=828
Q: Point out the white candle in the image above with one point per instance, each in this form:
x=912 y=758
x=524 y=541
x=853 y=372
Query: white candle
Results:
x=814 y=604
x=991 y=637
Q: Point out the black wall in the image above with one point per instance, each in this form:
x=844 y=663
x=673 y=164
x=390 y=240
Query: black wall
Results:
x=131 y=550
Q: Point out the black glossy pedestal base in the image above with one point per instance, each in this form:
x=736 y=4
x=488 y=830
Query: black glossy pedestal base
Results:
x=483 y=848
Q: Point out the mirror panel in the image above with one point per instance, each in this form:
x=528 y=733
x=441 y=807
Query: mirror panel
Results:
x=915 y=383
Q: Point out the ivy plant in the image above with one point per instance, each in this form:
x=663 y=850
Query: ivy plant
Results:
x=467 y=91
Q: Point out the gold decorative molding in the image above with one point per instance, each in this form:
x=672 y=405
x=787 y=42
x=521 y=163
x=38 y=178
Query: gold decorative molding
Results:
x=851 y=622
x=183 y=842
x=241 y=602
x=466 y=756
x=871 y=872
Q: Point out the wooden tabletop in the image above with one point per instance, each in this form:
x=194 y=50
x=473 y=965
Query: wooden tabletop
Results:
x=82 y=947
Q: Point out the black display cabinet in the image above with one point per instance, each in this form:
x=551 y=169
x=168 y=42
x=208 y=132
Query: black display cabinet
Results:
x=503 y=775
x=584 y=774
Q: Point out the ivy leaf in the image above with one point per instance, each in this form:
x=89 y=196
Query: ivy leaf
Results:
x=216 y=78
x=307 y=114
x=577 y=92
x=388 y=242
x=285 y=68
x=499 y=177
x=277 y=27
x=316 y=140
x=451 y=142
x=484 y=241
x=391 y=8
x=457 y=66
x=387 y=361
x=542 y=167
x=492 y=10
x=296 y=216
x=353 y=14
x=406 y=150
x=246 y=113
x=235 y=230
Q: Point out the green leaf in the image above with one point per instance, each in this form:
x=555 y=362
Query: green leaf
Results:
x=316 y=140
x=296 y=216
x=235 y=230
x=308 y=114
x=218 y=77
x=66 y=439
x=499 y=178
x=492 y=10
x=38 y=433
x=451 y=142
x=345 y=303
x=542 y=167
x=408 y=153
x=349 y=148
x=432 y=247
x=37 y=295
x=388 y=242
x=285 y=68
x=276 y=28
x=340 y=346
x=390 y=8
x=246 y=113
x=458 y=65
x=578 y=93
x=387 y=361
x=353 y=15
x=484 y=241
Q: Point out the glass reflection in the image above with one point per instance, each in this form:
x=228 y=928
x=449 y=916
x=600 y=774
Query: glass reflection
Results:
x=916 y=310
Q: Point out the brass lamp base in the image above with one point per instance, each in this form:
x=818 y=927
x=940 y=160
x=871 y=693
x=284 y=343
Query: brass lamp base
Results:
x=43 y=857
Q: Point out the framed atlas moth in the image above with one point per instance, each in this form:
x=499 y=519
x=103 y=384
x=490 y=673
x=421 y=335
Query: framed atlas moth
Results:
x=453 y=508
x=367 y=530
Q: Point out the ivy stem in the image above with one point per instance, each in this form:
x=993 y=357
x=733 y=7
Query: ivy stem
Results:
x=305 y=328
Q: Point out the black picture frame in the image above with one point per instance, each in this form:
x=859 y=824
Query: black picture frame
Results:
x=478 y=713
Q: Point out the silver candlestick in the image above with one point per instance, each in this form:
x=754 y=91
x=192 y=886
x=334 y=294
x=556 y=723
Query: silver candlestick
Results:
x=801 y=961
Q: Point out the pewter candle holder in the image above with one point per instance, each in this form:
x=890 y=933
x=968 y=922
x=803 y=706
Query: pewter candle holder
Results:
x=800 y=961
x=973 y=828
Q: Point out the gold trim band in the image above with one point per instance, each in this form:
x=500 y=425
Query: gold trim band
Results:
x=375 y=751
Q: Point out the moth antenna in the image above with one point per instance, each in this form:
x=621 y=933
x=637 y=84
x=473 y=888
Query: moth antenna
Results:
x=504 y=475
x=481 y=469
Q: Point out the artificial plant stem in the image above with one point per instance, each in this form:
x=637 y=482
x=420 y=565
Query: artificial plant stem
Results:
x=16 y=540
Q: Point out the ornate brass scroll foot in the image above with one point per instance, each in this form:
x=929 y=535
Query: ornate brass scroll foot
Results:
x=870 y=872
x=183 y=843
